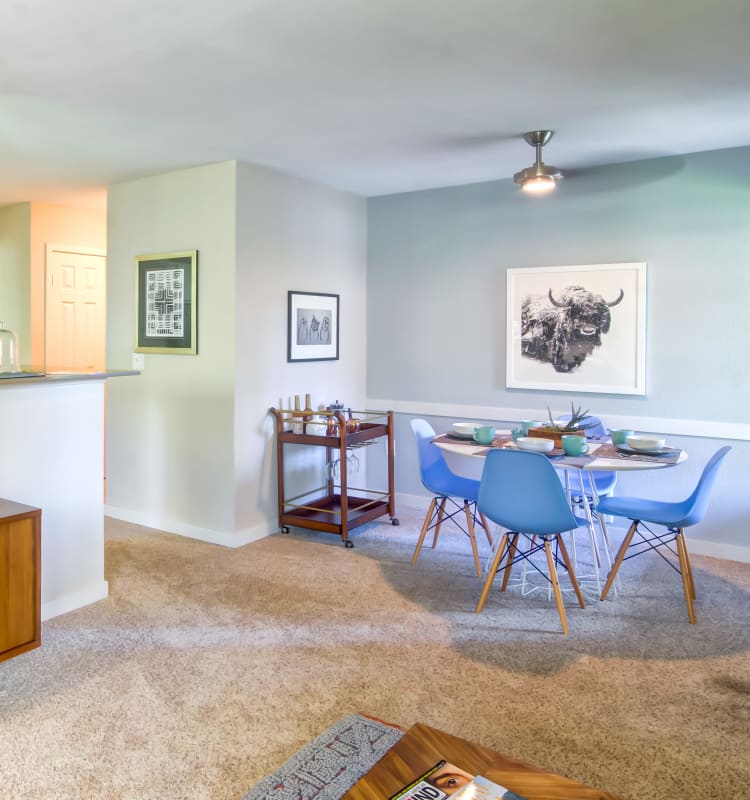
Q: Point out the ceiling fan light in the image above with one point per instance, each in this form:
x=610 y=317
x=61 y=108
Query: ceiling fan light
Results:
x=539 y=184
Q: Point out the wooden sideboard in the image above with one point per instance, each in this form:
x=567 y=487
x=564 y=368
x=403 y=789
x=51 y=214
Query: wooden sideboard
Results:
x=20 y=578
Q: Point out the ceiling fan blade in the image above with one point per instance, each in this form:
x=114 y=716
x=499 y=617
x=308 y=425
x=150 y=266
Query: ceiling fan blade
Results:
x=471 y=141
x=623 y=175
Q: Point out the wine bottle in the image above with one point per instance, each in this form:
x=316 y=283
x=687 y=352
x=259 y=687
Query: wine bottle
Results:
x=297 y=416
x=307 y=414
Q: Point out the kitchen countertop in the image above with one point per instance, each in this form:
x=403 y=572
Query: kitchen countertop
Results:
x=31 y=375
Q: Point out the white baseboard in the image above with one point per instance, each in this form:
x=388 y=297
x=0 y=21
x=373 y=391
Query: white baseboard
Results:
x=698 y=547
x=74 y=600
x=729 y=552
x=236 y=539
x=415 y=501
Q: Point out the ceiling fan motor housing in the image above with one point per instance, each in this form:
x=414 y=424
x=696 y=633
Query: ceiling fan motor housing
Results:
x=539 y=172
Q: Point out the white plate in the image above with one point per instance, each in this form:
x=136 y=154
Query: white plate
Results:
x=632 y=451
x=464 y=429
x=535 y=444
x=645 y=443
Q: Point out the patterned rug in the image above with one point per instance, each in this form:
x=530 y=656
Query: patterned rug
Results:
x=331 y=764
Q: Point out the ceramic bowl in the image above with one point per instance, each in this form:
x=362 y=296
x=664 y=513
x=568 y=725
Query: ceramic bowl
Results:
x=538 y=445
x=464 y=428
x=644 y=441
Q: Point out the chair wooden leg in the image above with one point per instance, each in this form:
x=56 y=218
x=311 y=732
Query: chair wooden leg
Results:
x=513 y=544
x=571 y=571
x=492 y=571
x=486 y=526
x=686 y=577
x=441 y=515
x=689 y=565
x=555 y=585
x=618 y=560
x=472 y=537
x=423 y=532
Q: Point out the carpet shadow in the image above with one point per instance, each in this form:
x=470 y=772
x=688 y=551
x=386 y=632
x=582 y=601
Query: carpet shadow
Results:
x=647 y=620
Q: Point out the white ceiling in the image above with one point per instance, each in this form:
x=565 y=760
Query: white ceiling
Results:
x=370 y=96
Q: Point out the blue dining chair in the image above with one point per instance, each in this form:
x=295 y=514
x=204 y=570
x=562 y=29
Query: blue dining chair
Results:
x=520 y=491
x=445 y=485
x=674 y=516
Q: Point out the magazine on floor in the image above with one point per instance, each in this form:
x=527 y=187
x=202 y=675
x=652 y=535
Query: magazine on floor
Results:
x=446 y=780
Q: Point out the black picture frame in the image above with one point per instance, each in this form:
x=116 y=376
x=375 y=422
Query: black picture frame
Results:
x=166 y=303
x=312 y=326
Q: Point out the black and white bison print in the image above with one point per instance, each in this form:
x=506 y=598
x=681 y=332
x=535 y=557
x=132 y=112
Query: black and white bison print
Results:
x=562 y=330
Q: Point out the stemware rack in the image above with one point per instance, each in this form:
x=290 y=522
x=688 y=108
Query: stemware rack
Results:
x=335 y=507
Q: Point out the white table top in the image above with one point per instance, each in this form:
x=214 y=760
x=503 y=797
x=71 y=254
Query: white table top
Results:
x=473 y=450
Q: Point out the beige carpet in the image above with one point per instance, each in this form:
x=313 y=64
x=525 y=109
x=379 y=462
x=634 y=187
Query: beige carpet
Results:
x=207 y=667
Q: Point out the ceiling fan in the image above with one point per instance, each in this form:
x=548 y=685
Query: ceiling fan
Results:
x=539 y=177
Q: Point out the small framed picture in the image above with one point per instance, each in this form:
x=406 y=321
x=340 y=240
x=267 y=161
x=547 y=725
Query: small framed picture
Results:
x=313 y=327
x=166 y=303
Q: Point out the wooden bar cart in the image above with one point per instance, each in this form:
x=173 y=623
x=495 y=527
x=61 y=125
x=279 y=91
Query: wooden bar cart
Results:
x=334 y=507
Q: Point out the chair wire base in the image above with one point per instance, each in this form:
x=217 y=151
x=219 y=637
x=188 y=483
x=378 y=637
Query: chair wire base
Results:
x=507 y=553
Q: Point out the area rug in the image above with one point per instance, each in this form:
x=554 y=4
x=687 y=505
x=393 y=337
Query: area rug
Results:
x=331 y=764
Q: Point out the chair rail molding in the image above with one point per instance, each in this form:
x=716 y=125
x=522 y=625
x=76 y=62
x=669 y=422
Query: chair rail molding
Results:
x=703 y=429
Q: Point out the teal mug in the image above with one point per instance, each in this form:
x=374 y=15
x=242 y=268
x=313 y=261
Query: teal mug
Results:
x=575 y=445
x=484 y=434
x=620 y=436
x=529 y=423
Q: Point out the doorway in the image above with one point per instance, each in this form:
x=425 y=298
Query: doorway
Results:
x=75 y=309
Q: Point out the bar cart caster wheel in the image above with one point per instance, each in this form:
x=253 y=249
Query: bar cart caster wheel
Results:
x=347 y=543
x=394 y=521
x=284 y=529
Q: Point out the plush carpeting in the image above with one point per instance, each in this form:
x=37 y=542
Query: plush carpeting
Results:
x=208 y=667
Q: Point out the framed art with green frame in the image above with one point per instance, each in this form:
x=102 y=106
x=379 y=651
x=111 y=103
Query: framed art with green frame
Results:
x=166 y=303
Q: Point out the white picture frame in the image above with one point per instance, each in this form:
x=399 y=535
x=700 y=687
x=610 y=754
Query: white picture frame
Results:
x=577 y=328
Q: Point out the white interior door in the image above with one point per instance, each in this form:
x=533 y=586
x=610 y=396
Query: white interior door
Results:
x=75 y=317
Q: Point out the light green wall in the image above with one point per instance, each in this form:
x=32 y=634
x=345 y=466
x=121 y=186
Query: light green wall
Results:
x=15 y=274
x=170 y=435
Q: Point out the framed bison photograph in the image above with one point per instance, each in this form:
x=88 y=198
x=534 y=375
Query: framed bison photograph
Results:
x=577 y=328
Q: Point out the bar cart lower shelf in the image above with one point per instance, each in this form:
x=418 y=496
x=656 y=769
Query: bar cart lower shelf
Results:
x=337 y=509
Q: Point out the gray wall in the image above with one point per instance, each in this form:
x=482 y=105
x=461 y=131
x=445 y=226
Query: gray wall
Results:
x=437 y=264
x=291 y=235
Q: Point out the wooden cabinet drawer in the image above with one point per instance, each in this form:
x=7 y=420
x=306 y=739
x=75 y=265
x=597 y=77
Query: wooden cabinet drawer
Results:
x=20 y=578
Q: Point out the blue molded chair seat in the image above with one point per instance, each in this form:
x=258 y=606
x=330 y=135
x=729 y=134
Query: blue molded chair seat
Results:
x=674 y=516
x=521 y=492
x=445 y=485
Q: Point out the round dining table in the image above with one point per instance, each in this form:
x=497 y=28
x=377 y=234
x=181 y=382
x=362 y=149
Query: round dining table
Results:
x=601 y=456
